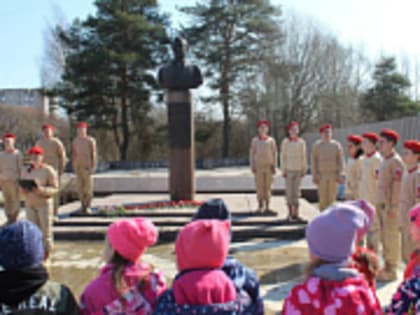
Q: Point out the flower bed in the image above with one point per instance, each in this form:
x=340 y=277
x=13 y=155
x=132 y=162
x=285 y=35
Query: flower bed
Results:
x=168 y=204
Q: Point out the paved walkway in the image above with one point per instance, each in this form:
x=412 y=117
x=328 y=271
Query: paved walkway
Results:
x=238 y=179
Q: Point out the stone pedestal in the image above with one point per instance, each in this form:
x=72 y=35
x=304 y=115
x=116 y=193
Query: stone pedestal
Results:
x=181 y=145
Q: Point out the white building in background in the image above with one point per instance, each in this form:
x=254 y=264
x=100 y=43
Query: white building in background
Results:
x=25 y=97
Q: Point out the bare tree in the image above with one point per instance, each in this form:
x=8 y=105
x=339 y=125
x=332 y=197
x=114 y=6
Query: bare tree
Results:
x=54 y=55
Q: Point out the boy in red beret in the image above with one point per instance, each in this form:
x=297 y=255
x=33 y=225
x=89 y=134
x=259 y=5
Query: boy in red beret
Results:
x=38 y=201
x=368 y=177
x=84 y=165
x=10 y=167
x=353 y=166
x=293 y=162
x=327 y=166
x=54 y=155
x=410 y=193
x=263 y=159
x=386 y=226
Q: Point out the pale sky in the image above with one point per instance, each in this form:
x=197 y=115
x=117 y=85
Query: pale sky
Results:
x=380 y=26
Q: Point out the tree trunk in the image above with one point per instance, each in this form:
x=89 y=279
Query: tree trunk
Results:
x=226 y=119
x=125 y=131
x=225 y=93
x=124 y=119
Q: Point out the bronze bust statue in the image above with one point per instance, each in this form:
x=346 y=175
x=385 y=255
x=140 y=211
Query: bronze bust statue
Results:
x=177 y=74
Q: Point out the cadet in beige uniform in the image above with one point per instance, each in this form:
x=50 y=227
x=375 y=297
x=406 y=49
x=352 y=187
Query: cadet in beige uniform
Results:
x=327 y=166
x=54 y=155
x=10 y=167
x=388 y=199
x=410 y=194
x=263 y=159
x=293 y=163
x=368 y=181
x=39 y=202
x=353 y=166
x=84 y=165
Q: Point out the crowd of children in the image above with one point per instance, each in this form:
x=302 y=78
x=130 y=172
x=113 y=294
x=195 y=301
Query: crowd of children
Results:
x=340 y=278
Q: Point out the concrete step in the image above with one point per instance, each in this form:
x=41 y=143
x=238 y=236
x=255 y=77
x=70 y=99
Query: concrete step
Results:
x=168 y=233
x=158 y=213
x=172 y=220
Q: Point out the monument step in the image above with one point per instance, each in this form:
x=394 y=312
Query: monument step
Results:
x=169 y=233
x=173 y=220
x=172 y=213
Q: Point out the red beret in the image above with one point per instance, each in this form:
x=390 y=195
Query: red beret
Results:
x=389 y=133
x=413 y=145
x=326 y=126
x=82 y=125
x=263 y=122
x=36 y=151
x=48 y=126
x=356 y=139
x=9 y=135
x=371 y=136
x=292 y=124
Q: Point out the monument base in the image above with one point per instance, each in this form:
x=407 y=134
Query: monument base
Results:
x=181 y=145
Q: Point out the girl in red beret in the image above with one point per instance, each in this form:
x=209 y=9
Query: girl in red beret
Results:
x=293 y=163
x=353 y=166
x=263 y=160
x=38 y=201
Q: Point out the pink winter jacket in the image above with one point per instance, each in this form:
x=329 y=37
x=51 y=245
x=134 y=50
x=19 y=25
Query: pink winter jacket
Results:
x=101 y=293
x=317 y=296
x=204 y=287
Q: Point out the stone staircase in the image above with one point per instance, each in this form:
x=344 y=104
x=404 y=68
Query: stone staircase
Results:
x=246 y=224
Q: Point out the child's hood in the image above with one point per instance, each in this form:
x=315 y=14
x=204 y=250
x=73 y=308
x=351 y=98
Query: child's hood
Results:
x=203 y=244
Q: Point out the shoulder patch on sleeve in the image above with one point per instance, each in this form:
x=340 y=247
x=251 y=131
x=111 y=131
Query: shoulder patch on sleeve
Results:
x=398 y=174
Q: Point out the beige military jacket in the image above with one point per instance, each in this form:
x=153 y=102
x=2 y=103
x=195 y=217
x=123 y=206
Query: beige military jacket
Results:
x=410 y=192
x=84 y=153
x=390 y=175
x=327 y=158
x=10 y=165
x=54 y=153
x=368 y=177
x=47 y=178
x=293 y=155
x=263 y=152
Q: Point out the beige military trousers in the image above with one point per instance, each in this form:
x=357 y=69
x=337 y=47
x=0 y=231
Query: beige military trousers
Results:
x=327 y=190
x=84 y=186
x=11 y=199
x=385 y=231
x=263 y=182
x=293 y=180
x=43 y=217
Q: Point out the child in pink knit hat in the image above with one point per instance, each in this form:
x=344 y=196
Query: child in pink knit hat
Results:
x=125 y=285
x=201 y=287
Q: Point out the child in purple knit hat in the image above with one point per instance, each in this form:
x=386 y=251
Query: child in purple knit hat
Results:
x=333 y=285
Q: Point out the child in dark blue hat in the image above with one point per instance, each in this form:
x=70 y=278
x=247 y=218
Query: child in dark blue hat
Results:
x=25 y=286
x=244 y=279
